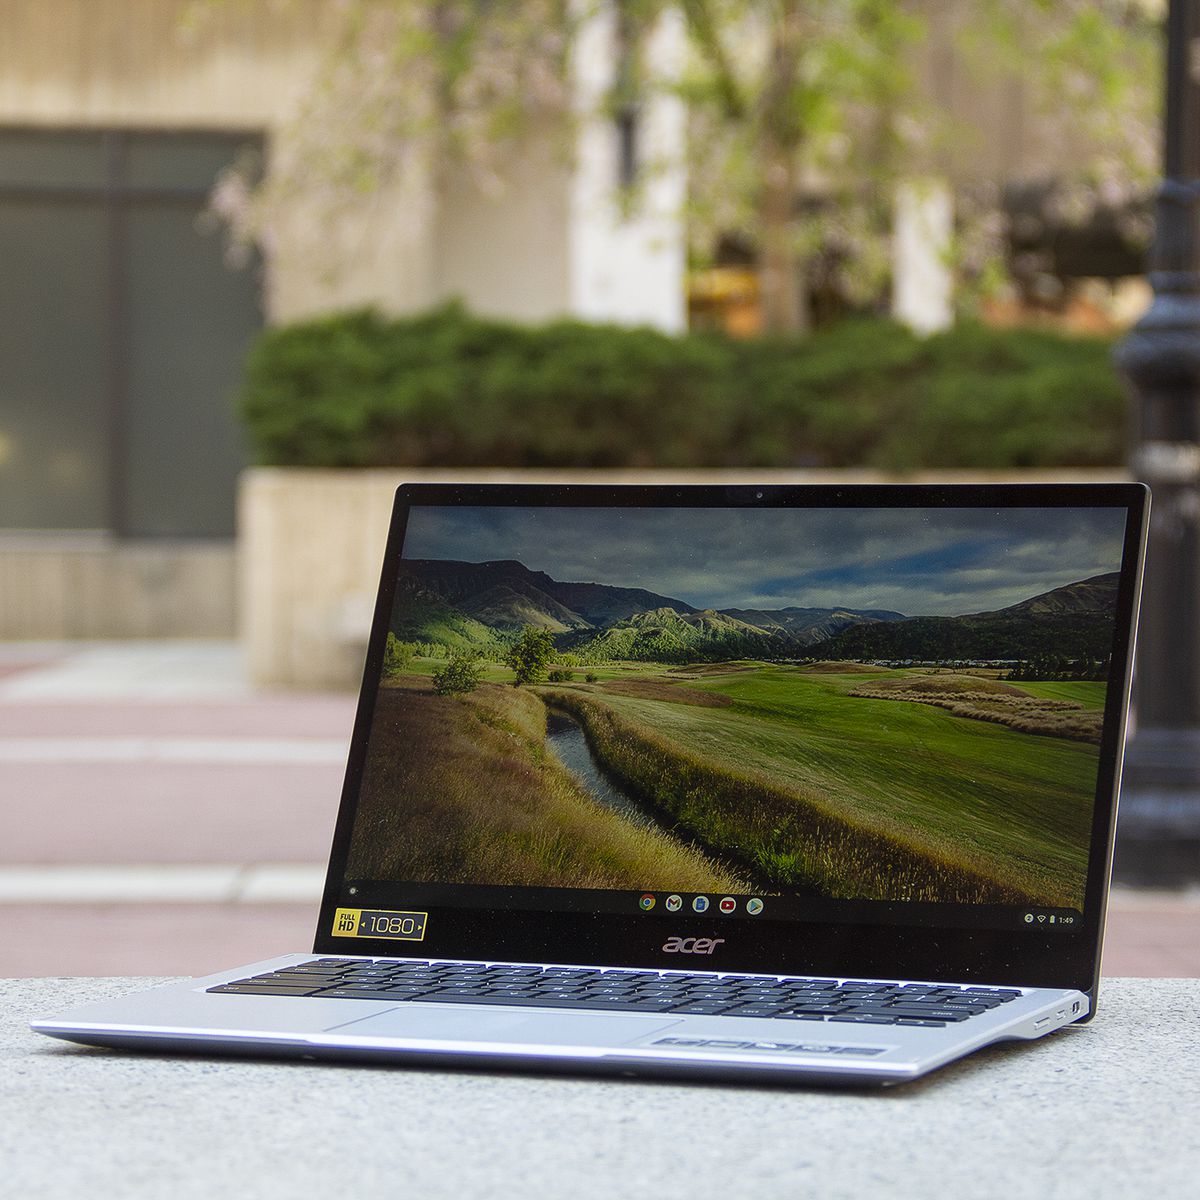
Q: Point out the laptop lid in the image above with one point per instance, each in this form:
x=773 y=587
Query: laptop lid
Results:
x=860 y=730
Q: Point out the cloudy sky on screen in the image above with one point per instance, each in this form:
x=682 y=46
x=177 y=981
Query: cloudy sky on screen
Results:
x=912 y=561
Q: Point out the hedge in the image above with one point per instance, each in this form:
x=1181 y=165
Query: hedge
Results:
x=449 y=389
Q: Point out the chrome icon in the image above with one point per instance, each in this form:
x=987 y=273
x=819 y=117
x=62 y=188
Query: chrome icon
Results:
x=646 y=903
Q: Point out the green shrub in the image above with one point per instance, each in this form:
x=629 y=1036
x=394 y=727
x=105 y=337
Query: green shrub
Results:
x=449 y=389
x=459 y=675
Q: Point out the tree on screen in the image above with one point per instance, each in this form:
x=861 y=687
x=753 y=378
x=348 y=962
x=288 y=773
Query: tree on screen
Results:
x=531 y=655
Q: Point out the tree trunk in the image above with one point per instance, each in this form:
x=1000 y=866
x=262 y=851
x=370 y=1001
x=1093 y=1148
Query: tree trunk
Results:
x=784 y=303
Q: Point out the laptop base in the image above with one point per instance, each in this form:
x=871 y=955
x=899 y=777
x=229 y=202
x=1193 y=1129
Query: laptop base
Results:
x=186 y=1017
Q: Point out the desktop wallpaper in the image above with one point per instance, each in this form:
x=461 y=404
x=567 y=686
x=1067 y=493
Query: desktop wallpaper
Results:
x=868 y=704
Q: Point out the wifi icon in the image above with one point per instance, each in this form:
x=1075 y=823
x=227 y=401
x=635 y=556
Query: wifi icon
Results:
x=1041 y=917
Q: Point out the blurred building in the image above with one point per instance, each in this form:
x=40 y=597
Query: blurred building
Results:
x=123 y=328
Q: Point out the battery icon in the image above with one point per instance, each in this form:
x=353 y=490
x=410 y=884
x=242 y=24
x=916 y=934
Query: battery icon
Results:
x=1051 y=918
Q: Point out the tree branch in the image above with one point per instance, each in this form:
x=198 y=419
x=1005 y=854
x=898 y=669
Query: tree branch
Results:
x=703 y=24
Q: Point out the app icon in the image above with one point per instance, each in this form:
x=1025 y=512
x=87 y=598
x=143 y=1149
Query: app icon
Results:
x=728 y=904
x=646 y=903
x=700 y=904
x=674 y=903
x=754 y=907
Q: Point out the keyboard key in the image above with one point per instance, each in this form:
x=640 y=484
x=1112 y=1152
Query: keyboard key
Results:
x=930 y=1014
x=352 y=993
x=286 y=977
x=532 y=1001
x=263 y=989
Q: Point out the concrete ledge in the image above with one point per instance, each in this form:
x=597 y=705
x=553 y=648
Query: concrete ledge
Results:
x=64 y=586
x=1104 y=1112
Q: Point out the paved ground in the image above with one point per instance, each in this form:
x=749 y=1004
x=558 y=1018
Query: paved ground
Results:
x=160 y=817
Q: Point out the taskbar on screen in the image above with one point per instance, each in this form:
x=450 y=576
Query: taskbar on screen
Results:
x=377 y=894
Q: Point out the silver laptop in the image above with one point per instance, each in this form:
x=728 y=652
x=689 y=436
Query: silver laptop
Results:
x=796 y=783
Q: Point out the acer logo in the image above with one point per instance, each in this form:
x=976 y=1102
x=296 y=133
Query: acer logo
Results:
x=681 y=945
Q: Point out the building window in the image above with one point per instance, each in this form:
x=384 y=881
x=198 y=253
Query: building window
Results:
x=625 y=97
x=627 y=146
x=122 y=333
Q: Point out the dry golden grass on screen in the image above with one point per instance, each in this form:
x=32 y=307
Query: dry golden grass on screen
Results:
x=839 y=668
x=991 y=700
x=659 y=689
x=461 y=789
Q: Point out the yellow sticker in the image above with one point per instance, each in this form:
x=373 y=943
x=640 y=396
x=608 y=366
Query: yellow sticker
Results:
x=380 y=923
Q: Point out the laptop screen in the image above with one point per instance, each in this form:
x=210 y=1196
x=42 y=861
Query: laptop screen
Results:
x=877 y=714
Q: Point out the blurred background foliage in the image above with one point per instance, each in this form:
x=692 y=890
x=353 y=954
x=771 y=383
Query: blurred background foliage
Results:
x=446 y=388
x=803 y=117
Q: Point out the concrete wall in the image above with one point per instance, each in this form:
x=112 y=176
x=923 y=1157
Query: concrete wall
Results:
x=503 y=254
x=132 y=62
x=922 y=255
x=83 y=586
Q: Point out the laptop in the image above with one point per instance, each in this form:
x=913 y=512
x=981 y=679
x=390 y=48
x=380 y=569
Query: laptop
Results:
x=805 y=784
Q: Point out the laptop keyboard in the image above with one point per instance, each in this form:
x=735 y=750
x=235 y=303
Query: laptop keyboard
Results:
x=618 y=990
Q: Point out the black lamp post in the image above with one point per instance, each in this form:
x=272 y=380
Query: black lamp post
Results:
x=1159 y=829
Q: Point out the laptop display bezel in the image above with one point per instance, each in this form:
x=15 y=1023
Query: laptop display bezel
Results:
x=1025 y=957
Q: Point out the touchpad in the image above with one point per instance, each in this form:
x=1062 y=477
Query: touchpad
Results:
x=472 y=1025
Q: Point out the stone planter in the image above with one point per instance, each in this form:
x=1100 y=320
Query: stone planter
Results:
x=310 y=547
x=59 y=586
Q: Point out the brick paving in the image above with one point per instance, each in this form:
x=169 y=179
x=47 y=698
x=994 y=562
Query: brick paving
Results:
x=1153 y=934
x=157 y=755
x=167 y=812
x=140 y=939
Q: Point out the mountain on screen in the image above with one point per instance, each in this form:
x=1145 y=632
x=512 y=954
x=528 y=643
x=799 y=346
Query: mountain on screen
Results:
x=1075 y=621
x=462 y=605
